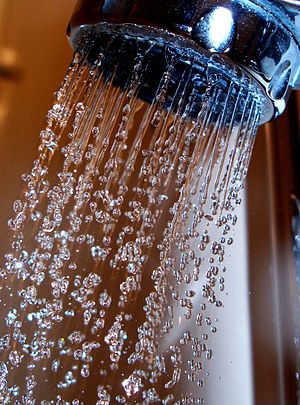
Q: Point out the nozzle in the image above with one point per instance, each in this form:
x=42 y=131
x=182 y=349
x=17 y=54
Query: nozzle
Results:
x=261 y=36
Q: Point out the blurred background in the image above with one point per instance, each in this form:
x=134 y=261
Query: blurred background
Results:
x=34 y=56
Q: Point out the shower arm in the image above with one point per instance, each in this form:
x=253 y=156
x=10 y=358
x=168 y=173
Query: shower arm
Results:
x=262 y=36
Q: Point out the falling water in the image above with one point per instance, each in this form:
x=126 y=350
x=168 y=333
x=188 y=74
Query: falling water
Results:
x=118 y=248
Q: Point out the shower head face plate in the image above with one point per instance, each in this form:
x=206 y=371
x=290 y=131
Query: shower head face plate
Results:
x=190 y=68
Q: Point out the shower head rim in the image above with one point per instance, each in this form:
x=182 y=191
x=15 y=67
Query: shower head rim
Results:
x=263 y=39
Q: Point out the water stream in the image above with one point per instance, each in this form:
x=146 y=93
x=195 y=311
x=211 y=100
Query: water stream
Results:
x=119 y=239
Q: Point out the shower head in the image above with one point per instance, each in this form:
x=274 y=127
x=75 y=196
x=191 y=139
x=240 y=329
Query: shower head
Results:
x=260 y=36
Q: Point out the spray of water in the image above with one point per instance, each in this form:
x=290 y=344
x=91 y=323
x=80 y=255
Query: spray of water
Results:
x=119 y=239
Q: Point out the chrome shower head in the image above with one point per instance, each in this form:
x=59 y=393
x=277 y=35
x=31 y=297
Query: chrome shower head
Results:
x=260 y=36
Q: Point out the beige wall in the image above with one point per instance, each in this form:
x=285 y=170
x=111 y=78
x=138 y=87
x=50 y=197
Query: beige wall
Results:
x=33 y=44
